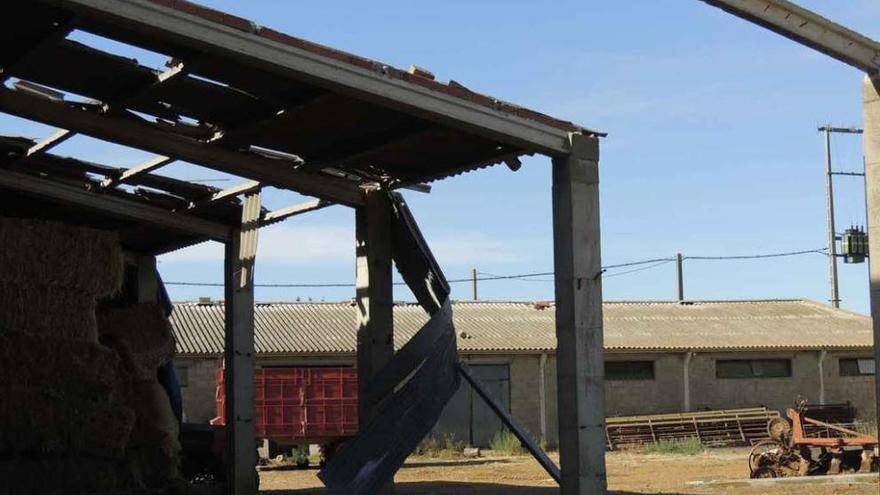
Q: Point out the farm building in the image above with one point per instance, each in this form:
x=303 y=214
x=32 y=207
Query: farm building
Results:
x=660 y=356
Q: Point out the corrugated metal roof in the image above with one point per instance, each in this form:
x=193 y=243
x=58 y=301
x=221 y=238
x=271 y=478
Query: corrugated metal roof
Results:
x=329 y=328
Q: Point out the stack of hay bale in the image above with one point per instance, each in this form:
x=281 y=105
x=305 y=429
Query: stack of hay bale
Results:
x=143 y=338
x=65 y=419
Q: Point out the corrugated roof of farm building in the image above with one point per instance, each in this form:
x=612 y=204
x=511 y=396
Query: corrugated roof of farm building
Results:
x=524 y=327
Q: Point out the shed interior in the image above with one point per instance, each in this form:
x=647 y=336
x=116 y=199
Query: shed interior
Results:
x=217 y=91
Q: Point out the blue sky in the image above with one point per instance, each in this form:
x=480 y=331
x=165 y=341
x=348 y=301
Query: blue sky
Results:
x=712 y=146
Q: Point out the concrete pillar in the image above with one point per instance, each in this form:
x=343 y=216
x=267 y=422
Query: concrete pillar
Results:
x=871 y=93
x=241 y=436
x=542 y=395
x=579 y=358
x=820 y=361
x=375 y=297
x=686 y=380
x=147 y=280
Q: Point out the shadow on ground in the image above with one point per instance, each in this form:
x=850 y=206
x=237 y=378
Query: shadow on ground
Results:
x=459 y=462
x=452 y=488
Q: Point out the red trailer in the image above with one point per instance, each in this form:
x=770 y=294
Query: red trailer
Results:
x=300 y=406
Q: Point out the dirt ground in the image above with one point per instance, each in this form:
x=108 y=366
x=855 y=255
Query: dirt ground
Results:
x=628 y=474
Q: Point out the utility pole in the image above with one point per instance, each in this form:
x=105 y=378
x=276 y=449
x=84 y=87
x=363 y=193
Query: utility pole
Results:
x=827 y=130
x=680 y=276
x=832 y=233
x=474 y=282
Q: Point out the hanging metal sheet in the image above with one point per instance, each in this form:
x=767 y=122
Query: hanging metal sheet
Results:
x=415 y=385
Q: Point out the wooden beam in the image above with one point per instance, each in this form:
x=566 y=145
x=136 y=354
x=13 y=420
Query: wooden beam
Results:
x=156 y=19
x=136 y=133
x=113 y=206
x=60 y=30
x=579 y=355
x=291 y=211
x=49 y=142
x=130 y=174
x=226 y=194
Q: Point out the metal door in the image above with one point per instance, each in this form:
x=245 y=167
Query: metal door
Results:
x=466 y=417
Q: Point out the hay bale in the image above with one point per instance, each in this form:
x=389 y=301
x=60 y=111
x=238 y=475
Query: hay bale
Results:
x=61 y=475
x=144 y=330
x=51 y=311
x=154 y=450
x=38 y=421
x=38 y=252
x=68 y=366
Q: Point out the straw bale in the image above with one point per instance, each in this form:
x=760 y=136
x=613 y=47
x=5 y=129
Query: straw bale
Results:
x=154 y=449
x=39 y=421
x=55 y=364
x=38 y=252
x=67 y=475
x=143 y=330
x=48 y=310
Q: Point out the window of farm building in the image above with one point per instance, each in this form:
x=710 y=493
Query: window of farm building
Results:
x=753 y=368
x=857 y=367
x=629 y=370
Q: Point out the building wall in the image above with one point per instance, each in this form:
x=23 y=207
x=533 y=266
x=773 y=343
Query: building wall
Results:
x=709 y=392
x=199 y=402
x=665 y=393
x=858 y=390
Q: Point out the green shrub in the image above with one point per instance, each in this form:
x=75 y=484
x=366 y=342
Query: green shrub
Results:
x=686 y=446
x=505 y=442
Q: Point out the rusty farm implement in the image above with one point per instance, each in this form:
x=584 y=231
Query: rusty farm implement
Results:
x=791 y=451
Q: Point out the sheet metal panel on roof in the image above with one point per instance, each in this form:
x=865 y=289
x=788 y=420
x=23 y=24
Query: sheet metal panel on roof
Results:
x=329 y=328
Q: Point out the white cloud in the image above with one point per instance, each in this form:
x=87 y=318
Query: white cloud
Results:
x=476 y=248
x=291 y=244
x=335 y=243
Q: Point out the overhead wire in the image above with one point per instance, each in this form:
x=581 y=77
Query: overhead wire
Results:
x=651 y=263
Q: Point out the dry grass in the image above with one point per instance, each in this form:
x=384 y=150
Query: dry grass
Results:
x=685 y=446
x=446 y=447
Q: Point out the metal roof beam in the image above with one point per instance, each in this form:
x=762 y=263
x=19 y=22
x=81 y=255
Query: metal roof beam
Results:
x=808 y=28
x=114 y=206
x=130 y=131
x=153 y=18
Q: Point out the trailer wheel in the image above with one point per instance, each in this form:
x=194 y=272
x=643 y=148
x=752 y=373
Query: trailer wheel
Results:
x=764 y=472
x=765 y=453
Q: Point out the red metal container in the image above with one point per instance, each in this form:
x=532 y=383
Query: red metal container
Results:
x=300 y=404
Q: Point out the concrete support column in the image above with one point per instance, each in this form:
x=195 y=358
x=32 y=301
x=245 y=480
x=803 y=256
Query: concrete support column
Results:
x=542 y=395
x=871 y=94
x=241 y=436
x=579 y=358
x=375 y=297
x=686 y=380
x=147 y=280
x=820 y=361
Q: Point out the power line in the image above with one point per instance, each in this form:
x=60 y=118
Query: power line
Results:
x=758 y=256
x=652 y=263
x=634 y=270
